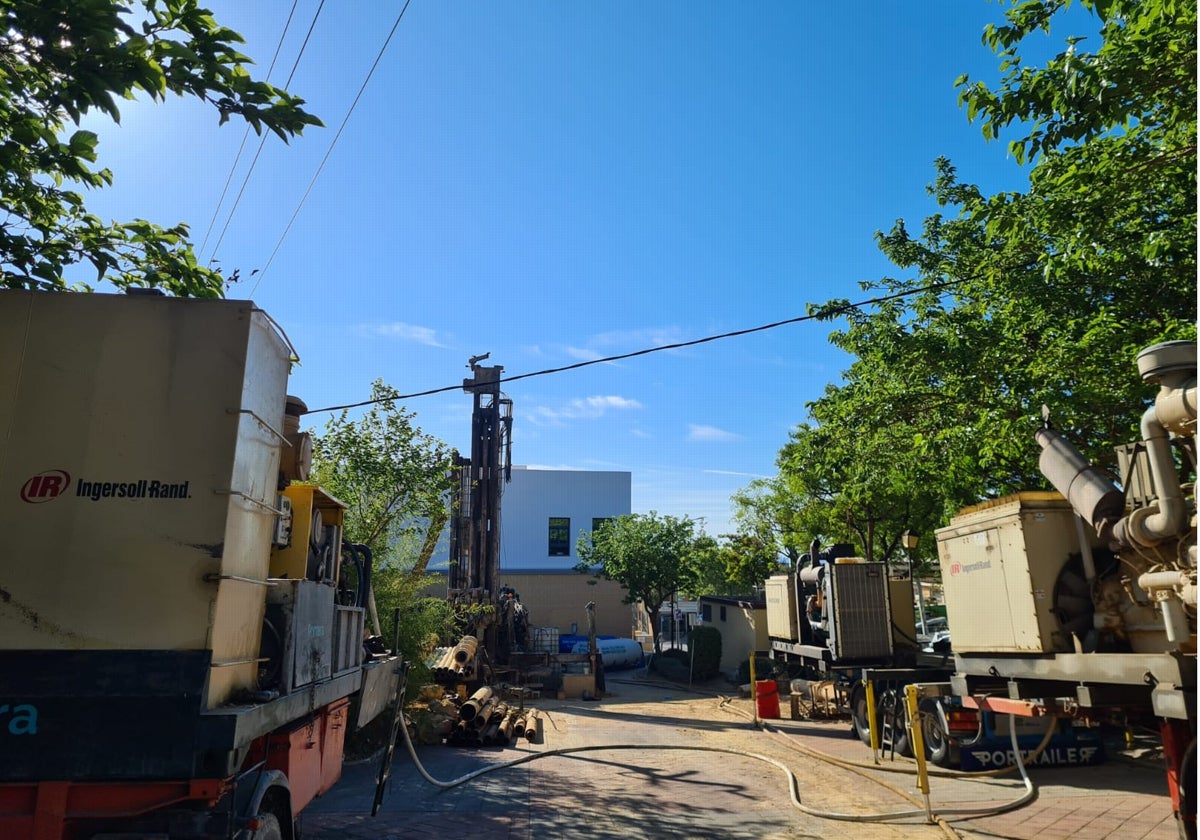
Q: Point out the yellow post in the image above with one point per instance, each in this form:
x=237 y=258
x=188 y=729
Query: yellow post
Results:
x=872 y=720
x=917 y=739
x=753 y=689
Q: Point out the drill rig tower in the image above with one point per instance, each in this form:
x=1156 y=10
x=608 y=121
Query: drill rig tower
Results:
x=475 y=525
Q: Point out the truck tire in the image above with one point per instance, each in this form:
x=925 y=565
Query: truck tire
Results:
x=269 y=827
x=938 y=748
x=858 y=714
x=862 y=724
x=1185 y=819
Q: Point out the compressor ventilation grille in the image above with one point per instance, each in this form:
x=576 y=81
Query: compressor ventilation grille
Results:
x=862 y=618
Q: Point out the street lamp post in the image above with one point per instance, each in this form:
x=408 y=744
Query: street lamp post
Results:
x=909 y=540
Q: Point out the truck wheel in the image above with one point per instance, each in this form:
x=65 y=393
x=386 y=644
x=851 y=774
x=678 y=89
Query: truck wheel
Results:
x=938 y=749
x=903 y=746
x=268 y=828
x=858 y=715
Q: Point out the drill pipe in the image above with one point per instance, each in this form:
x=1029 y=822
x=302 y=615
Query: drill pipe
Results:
x=465 y=651
x=472 y=707
x=486 y=712
x=531 y=719
x=506 y=726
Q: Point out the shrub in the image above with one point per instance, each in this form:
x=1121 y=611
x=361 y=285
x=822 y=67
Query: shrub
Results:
x=671 y=664
x=764 y=669
x=705 y=644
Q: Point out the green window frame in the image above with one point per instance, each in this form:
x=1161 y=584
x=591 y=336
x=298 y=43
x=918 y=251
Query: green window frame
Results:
x=559 y=536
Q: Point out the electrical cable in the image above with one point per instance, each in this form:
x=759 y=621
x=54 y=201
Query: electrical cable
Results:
x=263 y=140
x=824 y=313
x=246 y=134
x=329 y=151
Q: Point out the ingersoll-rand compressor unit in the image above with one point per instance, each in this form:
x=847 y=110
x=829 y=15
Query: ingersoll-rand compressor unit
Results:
x=1083 y=604
x=178 y=644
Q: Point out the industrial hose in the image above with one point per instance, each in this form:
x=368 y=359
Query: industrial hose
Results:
x=908 y=769
x=1028 y=796
x=793 y=784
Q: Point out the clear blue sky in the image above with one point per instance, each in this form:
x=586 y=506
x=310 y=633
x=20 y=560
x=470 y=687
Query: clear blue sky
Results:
x=552 y=182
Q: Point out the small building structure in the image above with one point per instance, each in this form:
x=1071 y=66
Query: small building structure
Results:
x=742 y=621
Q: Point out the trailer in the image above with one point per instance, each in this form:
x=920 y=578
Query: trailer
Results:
x=1097 y=586
x=850 y=621
x=1078 y=605
x=181 y=625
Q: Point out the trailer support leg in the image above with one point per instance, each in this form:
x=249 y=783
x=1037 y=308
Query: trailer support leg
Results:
x=916 y=737
x=1179 y=750
x=872 y=719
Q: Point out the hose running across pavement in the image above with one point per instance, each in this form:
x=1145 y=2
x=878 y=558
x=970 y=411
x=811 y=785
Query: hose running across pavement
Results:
x=793 y=785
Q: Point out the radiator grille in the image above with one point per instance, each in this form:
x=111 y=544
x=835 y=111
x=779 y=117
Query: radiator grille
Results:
x=861 y=616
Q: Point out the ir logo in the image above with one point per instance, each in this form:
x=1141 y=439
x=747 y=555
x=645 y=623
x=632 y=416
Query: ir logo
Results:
x=45 y=486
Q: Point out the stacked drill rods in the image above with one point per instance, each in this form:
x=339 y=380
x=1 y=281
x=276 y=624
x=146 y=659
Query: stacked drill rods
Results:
x=455 y=663
x=493 y=723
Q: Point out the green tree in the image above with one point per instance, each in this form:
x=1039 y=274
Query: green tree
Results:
x=736 y=564
x=649 y=555
x=1022 y=298
x=63 y=59
x=394 y=479
x=773 y=512
x=708 y=568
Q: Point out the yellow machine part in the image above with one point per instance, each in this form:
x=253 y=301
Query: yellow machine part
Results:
x=309 y=504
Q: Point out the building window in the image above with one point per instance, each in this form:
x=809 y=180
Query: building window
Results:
x=722 y=612
x=560 y=536
x=706 y=612
x=597 y=521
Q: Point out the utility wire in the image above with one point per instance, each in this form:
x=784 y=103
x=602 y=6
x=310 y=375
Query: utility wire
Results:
x=824 y=313
x=263 y=140
x=246 y=133
x=329 y=151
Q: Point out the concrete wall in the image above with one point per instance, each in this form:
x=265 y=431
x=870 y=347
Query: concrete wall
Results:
x=557 y=599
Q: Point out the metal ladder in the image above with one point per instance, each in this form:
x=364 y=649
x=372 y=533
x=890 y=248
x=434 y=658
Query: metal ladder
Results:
x=890 y=716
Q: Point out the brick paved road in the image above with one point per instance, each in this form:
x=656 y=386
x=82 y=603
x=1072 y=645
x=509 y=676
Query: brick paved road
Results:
x=680 y=795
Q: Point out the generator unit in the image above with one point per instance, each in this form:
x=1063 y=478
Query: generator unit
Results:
x=859 y=611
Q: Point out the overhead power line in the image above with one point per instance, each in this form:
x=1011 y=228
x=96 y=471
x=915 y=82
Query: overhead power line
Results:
x=836 y=310
x=329 y=151
x=263 y=139
x=246 y=134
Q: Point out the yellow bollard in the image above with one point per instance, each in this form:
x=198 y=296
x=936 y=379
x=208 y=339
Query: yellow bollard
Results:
x=872 y=720
x=753 y=689
x=917 y=739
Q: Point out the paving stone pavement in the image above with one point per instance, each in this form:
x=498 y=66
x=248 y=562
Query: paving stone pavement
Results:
x=645 y=791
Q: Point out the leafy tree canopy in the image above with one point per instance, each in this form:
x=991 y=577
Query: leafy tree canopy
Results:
x=1022 y=298
x=651 y=556
x=63 y=59
x=766 y=510
x=394 y=479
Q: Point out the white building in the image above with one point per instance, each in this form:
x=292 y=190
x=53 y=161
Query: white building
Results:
x=543 y=512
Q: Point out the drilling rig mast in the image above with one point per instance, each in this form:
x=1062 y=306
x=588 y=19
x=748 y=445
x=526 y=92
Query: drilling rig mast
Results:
x=475 y=531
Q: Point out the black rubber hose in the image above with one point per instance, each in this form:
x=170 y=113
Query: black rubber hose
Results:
x=364 y=575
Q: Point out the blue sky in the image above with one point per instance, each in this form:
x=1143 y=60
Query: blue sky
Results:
x=553 y=182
